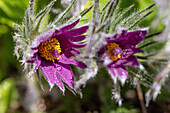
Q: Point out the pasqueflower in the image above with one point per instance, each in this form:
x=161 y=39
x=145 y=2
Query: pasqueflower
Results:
x=51 y=53
x=119 y=51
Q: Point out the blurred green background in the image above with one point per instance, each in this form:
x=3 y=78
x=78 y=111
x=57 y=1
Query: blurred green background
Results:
x=18 y=94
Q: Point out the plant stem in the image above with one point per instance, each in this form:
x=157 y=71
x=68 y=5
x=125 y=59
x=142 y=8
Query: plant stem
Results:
x=140 y=97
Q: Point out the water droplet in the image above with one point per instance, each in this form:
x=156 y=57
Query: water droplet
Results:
x=59 y=68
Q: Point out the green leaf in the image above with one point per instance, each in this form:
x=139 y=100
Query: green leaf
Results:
x=85 y=11
x=111 y=9
x=138 y=13
x=141 y=18
x=142 y=5
x=64 y=13
x=131 y=17
x=89 y=3
x=7 y=94
x=123 y=110
x=140 y=75
x=4 y=29
x=40 y=16
x=12 y=10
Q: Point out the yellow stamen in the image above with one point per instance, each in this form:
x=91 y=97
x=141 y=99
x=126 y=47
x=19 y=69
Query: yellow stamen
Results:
x=47 y=47
x=109 y=49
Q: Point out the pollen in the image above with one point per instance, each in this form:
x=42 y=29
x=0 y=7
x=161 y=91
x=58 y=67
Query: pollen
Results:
x=114 y=51
x=50 y=49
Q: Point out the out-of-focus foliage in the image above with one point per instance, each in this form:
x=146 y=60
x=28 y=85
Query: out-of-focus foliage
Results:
x=89 y=3
x=8 y=61
x=123 y=110
x=12 y=11
x=8 y=94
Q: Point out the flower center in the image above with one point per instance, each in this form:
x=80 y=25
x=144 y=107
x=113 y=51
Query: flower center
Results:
x=114 y=51
x=50 y=49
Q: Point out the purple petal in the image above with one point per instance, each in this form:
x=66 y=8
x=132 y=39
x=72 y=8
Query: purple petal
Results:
x=49 y=70
x=118 y=72
x=112 y=73
x=119 y=62
x=132 y=61
x=135 y=37
x=38 y=62
x=78 y=38
x=65 y=73
x=128 y=38
x=77 y=45
x=68 y=54
x=137 y=50
x=66 y=60
x=126 y=52
x=64 y=41
x=77 y=31
x=70 y=26
x=75 y=51
x=122 y=72
x=66 y=44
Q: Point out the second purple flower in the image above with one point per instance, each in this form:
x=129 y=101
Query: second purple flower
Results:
x=119 y=51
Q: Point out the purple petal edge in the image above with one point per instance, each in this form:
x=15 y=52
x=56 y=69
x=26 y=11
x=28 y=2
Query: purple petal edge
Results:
x=70 y=26
x=118 y=72
x=49 y=71
x=65 y=73
x=77 y=31
x=38 y=63
x=66 y=60
x=135 y=37
x=78 y=38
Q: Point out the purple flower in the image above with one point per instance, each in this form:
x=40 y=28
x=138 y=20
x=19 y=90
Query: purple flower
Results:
x=119 y=51
x=52 y=51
